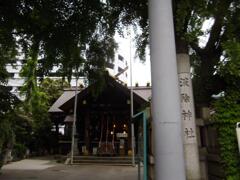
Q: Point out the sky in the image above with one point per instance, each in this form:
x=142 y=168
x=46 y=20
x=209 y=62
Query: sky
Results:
x=141 y=72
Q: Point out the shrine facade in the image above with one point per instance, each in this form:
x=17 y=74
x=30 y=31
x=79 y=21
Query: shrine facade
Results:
x=103 y=123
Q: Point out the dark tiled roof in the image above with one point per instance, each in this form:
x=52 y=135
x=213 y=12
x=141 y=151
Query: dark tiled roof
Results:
x=142 y=92
x=68 y=94
x=69 y=118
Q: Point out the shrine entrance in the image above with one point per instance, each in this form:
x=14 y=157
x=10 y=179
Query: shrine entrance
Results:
x=105 y=134
x=103 y=120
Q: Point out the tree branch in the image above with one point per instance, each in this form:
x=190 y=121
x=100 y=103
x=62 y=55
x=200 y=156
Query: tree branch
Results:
x=196 y=48
x=215 y=33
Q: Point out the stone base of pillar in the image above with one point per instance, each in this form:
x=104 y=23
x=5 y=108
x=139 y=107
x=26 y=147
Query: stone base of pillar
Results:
x=75 y=148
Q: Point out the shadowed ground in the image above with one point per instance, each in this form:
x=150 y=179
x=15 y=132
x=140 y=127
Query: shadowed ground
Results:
x=49 y=170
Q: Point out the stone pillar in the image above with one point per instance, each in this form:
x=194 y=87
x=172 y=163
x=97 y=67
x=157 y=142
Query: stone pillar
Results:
x=75 y=147
x=75 y=150
x=166 y=112
x=192 y=162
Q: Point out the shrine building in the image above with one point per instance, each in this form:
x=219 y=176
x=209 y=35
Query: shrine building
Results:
x=103 y=123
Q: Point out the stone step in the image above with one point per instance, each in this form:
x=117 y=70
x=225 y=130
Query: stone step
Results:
x=102 y=160
x=103 y=157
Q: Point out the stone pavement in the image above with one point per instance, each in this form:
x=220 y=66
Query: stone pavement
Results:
x=35 y=169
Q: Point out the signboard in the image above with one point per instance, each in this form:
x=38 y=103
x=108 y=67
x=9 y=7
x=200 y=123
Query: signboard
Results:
x=122 y=135
x=238 y=135
x=188 y=117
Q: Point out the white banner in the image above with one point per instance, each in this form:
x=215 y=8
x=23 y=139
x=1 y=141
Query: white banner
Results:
x=238 y=135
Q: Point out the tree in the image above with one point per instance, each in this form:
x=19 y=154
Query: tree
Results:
x=53 y=88
x=215 y=64
x=64 y=32
x=7 y=42
x=71 y=34
x=51 y=33
x=7 y=100
x=60 y=32
x=39 y=97
x=36 y=106
x=189 y=17
x=7 y=103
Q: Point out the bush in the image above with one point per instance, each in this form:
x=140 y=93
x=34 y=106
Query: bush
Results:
x=19 y=151
x=226 y=116
x=1 y=159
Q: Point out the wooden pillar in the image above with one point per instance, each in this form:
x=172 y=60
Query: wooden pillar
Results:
x=57 y=138
x=86 y=131
x=129 y=132
x=113 y=129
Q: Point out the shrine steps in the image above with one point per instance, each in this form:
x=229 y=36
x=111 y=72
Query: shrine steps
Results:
x=103 y=160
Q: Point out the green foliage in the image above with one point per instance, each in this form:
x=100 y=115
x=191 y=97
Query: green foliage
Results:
x=7 y=100
x=53 y=88
x=98 y=52
x=36 y=103
x=125 y=13
x=7 y=46
x=41 y=124
x=65 y=32
x=7 y=103
x=229 y=67
x=189 y=18
x=16 y=128
x=227 y=111
x=39 y=99
x=59 y=32
x=19 y=151
x=226 y=116
x=22 y=126
x=6 y=133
